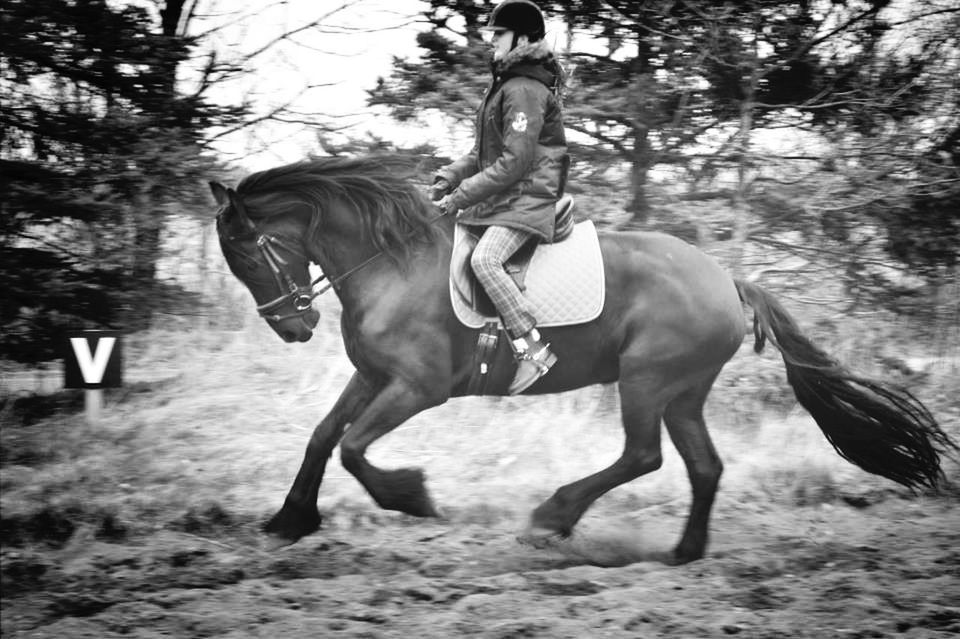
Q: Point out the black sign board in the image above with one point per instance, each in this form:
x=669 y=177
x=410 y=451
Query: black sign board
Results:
x=92 y=359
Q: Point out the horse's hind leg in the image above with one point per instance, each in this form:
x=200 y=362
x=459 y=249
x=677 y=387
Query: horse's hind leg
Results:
x=641 y=414
x=299 y=516
x=401 y=489
x=688 y=430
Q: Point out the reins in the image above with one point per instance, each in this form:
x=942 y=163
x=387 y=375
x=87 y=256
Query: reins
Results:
x=336 y=281
x=302 y=297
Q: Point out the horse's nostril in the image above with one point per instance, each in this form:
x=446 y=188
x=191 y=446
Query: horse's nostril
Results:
x=288 y=336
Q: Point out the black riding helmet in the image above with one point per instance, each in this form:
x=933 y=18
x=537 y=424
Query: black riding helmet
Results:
x=520 y=16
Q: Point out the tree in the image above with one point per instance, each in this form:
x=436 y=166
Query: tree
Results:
x=881 y=197
x=710 y=94
x=98 y=147
x=108 y=135
x=672 y=76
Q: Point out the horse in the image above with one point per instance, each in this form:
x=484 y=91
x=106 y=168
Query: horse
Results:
x=671 y=319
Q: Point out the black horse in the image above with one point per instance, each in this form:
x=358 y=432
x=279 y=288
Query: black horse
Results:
x=671 y=319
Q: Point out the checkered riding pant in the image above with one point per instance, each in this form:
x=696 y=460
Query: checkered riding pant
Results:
x=496 y=246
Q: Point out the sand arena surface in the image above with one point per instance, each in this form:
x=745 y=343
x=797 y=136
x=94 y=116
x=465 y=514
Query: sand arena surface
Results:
x=147 y=524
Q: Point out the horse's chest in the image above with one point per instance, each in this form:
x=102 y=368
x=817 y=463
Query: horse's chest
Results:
x=373 y=338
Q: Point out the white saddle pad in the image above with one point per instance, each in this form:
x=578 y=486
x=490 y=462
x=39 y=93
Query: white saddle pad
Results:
x=564 y=282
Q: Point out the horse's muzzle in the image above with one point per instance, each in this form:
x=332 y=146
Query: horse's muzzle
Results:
x=298 y=328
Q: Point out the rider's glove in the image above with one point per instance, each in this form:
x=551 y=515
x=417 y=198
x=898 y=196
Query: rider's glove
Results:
x=441 y=186
x=448 y=206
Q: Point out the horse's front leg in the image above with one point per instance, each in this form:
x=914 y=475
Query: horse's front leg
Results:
x=401 y=489
x=299 y=515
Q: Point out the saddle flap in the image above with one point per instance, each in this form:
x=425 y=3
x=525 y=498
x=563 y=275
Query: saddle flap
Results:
x=465 y=282
x=462 y=279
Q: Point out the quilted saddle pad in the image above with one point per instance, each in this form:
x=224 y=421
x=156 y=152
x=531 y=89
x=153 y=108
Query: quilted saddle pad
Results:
x=563 y=282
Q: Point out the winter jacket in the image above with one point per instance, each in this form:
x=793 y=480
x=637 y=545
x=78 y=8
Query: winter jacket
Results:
x=516 y=171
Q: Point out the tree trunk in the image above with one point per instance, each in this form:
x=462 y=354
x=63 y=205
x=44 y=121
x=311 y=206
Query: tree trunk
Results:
x=639 y=206
x=741 y=209
x=148 y=218
x=170 y=17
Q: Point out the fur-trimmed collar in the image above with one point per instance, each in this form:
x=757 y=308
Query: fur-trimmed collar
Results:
x=535 y=59
x=534 y=52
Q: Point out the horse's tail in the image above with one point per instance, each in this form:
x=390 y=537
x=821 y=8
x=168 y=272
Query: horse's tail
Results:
x=881 y=428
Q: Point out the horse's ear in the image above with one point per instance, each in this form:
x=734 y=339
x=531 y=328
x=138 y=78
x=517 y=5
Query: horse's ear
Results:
x=219 y=192
x=240 y=210
x=226 y=196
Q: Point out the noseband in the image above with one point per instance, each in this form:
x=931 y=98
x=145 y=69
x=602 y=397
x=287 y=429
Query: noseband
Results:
x=300 y=296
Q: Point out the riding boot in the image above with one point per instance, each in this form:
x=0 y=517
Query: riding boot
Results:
x=534 y=359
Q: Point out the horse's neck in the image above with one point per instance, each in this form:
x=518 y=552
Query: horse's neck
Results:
x=370 y=276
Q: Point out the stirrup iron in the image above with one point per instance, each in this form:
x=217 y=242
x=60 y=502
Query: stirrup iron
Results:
x=534 y=360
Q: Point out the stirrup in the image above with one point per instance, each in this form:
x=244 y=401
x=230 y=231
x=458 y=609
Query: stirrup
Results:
x=531 y=366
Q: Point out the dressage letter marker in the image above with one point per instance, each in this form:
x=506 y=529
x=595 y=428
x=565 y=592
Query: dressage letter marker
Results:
x=92 y=368
x=92 y=362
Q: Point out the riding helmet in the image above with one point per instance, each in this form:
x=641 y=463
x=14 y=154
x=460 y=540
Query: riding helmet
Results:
x=520 y=16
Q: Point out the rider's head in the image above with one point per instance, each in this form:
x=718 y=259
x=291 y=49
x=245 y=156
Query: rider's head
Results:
x=514 y=22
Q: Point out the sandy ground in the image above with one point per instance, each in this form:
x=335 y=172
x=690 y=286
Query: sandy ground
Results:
x=147 y=524
x=887 y=570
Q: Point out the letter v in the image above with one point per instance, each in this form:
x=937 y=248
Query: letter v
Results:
x=92 y=367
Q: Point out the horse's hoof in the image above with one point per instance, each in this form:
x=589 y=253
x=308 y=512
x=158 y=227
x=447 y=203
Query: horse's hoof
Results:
x=404 y=490
x=674 y=558
x=540 y=538
x=276 y=542
x=291 y=524
x=422 y=508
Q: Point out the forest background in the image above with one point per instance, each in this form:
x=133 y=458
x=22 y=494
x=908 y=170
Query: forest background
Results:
x=812 y=147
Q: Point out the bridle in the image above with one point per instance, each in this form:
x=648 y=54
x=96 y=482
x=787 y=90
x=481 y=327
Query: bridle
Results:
x=300 y=296
x=290 y=291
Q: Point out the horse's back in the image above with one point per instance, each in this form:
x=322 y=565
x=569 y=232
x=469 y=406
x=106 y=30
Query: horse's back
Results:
x=668 y=298
x=652 y=258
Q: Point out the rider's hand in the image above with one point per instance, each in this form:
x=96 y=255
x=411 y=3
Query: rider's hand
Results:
x=447 y=205
x=440 y=188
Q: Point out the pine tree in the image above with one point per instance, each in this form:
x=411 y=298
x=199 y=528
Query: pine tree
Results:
x=98 y=149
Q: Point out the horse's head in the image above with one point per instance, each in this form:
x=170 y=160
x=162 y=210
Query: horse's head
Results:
x=268 y=257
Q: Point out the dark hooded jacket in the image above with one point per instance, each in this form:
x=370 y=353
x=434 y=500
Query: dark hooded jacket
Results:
x=516 y=171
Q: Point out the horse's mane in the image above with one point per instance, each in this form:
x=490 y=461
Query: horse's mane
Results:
x=381 y=189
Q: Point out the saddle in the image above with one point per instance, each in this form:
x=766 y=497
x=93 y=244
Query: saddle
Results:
x=563 y=281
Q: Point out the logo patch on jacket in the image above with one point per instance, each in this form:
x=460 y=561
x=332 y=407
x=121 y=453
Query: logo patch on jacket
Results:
x=520 y=122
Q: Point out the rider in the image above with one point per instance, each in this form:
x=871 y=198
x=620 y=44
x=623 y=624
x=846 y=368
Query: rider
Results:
x=511 y=180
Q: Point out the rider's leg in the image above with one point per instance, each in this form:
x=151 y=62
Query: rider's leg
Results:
x=496 y=246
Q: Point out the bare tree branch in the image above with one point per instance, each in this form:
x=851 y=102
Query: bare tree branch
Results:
x=288 y=34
